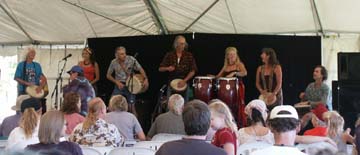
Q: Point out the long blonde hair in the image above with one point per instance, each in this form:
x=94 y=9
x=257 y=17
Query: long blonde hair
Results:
x=227 y=52
x=29 y=120
x=51 y=127
x=335 y=123
x=221 y=108
x=96 y=105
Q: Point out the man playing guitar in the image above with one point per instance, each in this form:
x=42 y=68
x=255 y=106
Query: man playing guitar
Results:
x=123 y=65
x=29 y=73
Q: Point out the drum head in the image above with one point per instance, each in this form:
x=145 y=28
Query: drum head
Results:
x=137 y=85
x=174 y=85
x=31 y=90
x=204 y=77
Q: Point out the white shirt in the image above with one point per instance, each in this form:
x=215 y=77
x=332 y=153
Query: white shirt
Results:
x=278 y=150
x=18 y=141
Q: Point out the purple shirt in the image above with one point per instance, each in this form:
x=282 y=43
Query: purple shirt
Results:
x=83 y=87
x=62 y=148
x=9 y=123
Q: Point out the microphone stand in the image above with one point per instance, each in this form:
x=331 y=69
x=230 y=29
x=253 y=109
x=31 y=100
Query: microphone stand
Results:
x=56 y=89
x=131 y=82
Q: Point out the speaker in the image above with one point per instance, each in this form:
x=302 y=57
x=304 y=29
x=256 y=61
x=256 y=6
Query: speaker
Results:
x=348 y=66
x=346 y=99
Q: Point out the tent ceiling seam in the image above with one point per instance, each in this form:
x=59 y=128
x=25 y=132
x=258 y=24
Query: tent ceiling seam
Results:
x=201 y=15
x=153 y=9
x=16 y=22
x=88 y=20
x=106 y=17
x=316 y=16
x=231 y=17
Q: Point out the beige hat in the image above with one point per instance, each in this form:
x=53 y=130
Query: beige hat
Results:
x=19 y=100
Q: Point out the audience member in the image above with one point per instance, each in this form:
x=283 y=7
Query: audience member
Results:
x=71 y=110
x=196 y=119
x=94 y=131
x=284 y=123
x=11 y=122
x=52 y=127
x=27 y=132
x=223 y=122
x=171 y=121
x=317 y=120
x=126 y=122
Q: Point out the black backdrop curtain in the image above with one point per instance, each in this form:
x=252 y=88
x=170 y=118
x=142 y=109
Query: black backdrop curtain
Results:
x=298 y=55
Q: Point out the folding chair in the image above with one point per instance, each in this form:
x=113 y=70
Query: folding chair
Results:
x=131 y=151
x=165 y=137
x=154 y=145
x=90 y=151
x=247 y=148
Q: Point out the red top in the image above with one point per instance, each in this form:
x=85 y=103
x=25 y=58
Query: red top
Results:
x=317 y=131
x=89 y=71
x=223 y=136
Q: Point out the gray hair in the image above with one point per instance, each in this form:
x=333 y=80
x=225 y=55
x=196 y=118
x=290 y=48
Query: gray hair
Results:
x=176 y=103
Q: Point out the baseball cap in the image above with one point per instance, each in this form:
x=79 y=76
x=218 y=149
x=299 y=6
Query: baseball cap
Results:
x=76 y=69
x=291 y=112
x=30 y=103
x=19 y=100
x=319 y=110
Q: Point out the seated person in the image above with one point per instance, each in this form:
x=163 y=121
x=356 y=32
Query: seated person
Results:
x=171 y=121
x=52 y=127
x=71 y=110
x=126 y=122
x=11 y=122
x=94 y=131
x=27 y=132
x=196 y=120
x=317 y=91
x=318 y=122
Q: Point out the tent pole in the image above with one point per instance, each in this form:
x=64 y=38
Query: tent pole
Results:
x=231 y=17
x=156 y=14
x=88 y=20
x=106 y=17
x=317 y=16
x=17 y=23
x=202 y=14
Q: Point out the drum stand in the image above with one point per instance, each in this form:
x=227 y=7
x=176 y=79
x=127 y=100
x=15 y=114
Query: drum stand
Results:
x=56 y=89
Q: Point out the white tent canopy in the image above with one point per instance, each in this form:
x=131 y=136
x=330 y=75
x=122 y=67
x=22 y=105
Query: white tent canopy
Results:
x=72 y=21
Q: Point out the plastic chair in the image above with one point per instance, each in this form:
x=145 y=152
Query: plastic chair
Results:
x=165 y=137
x=247 y=148
x=154 y=145
x=315 y=147
x=90 y=151
x=131 y=151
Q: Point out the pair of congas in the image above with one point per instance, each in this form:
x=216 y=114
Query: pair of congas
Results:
x=207 y=88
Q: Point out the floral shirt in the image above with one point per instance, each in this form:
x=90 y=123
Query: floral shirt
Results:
x=322 y=94
x=100 y=134
x=123 y=73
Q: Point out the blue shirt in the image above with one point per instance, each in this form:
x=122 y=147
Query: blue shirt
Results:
x=32 y=74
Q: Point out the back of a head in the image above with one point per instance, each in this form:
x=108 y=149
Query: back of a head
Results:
x=334 y=122
x=283 y=119
x=118 y=103
x=69 y=105
x=96 y=107
x=220 y=108
x=51 y=127
x=176 y=103
x=196 y=118
x=29 y=119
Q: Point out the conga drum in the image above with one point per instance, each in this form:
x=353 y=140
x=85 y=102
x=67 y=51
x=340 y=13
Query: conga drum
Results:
x=227 y=90
x=174 y=85
x=203 y=88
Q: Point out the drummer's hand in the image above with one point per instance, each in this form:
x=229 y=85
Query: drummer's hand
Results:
x=271 y=97
x=38 y=90
x=119 y=85
x=302 y=95
x=146 y=83
x=171 y=68
x=181 y=84
x=231 y=75
x=263 y=92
